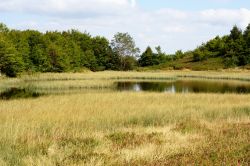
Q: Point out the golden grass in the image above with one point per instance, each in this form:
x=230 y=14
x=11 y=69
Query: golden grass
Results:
x=244 y=75
x=123 y=128
x=113 y=128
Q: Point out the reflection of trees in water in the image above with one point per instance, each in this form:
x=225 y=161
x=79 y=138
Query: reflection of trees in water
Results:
x=185 y=86
x=15 y=93
x=154 y=86
x=242 y=89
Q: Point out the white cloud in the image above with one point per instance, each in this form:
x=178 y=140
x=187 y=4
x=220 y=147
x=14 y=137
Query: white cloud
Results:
x=133 y=3
x=172 y=29
x=67 y=7
x=225 y=16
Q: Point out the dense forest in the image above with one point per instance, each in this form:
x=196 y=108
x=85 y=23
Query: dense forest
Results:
x=33 y=51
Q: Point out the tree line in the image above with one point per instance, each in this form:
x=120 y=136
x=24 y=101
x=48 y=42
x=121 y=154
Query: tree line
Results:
x=33 y=51
x=72 y=50
x=233 y=48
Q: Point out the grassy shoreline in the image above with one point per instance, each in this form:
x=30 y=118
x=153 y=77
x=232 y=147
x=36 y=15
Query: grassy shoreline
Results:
x=105 y=79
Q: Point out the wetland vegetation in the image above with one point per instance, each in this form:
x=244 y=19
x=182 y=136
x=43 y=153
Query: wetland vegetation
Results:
x=81 y=119
x=68 y=98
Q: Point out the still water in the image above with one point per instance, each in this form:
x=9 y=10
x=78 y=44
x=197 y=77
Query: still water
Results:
x=186 y=86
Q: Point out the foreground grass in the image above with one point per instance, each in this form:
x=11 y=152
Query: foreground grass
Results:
x=115 y=128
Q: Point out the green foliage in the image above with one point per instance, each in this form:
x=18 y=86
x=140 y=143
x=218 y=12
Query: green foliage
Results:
x=89 y=60
x=236 y=33
x=63 y=51
x=161 y=56
x=123 y=45
x=58 y=57
x=33 y=51
x=148 y=58
x=179 y=54
x=234 y=48
x=106 y=58
x=200 y=55
x=3 y=28
x=129 y=63
x=10 y=61
x=246 y=37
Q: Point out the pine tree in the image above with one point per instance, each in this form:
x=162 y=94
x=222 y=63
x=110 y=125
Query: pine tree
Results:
x=246 y=36
x=146 y=58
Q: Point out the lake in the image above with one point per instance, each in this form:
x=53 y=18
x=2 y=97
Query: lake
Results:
x=186 y=86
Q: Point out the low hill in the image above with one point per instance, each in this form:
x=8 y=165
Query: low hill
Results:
x=188 y=63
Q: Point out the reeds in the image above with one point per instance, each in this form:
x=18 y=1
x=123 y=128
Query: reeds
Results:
x=122 y=128
x=119 y=128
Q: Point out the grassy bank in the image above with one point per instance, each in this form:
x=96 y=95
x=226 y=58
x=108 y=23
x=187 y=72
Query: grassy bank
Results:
x=124 y=128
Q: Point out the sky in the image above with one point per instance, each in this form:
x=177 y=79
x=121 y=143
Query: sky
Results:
x=172 y=24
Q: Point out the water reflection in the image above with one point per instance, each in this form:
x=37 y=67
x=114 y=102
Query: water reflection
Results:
x=16 y=93
x=186 y=86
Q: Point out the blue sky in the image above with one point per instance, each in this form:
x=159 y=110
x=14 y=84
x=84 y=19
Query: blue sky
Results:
x=194 y=4
x=172 y=24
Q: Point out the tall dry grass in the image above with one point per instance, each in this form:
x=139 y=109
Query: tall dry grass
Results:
x=125 y=129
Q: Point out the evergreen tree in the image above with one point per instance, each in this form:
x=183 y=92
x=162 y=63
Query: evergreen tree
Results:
x=146 y=58
x=235 y=34
x=236 y=47
x=246 y=36
x=162 y=57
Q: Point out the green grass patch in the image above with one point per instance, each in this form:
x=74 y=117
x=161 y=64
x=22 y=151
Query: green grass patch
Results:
x=132 y=139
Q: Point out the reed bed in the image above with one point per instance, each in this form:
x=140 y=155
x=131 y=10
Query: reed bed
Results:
x=231 y=75
x=105 y=127
x=125 y=129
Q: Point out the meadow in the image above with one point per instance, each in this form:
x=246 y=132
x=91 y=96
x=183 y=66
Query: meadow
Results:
x=80 y=119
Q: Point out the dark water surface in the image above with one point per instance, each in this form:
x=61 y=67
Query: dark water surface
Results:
x=186 y=86
x=16 y=93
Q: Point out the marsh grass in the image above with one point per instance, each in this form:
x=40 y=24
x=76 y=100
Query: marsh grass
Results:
x=153 y=75
x=125 y=128
x=63 y=83
x=122 y=128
